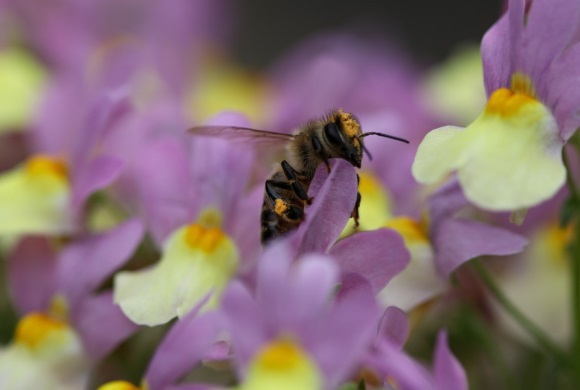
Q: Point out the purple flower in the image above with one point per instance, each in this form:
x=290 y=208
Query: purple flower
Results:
x=509 y=158
x=196 y=207
x=403 y=372
x=291 y=331
x=62 y=285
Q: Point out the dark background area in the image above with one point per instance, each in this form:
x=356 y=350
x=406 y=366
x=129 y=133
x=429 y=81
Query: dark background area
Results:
x=428 y=29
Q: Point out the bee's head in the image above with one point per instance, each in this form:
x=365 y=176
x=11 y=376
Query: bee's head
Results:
x=344 y=134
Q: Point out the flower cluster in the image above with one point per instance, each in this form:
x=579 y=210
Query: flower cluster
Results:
x=130 y=247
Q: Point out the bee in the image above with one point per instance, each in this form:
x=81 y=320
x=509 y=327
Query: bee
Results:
x=336 y=135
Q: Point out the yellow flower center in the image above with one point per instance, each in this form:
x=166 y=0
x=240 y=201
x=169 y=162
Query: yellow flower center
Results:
x=207 y=240
x=42 y=165
x=119 y=385
x=410 y=230
x=282 y=365
x=507 y=102
x=206 y=234
x=33 y=329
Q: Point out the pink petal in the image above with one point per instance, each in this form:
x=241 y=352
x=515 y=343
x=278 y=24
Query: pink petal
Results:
x=31 y=274
x=564 y=95
x=457 y=241
x=376 y=255
x=334 y=199
x=101 y=325
x=85 y=264
x=550 y=26
x=394 y=327
x=165 y=187
x=449 y=375
x=183 y=348
x=407 y=373
x=93 y=176
x=496 y=56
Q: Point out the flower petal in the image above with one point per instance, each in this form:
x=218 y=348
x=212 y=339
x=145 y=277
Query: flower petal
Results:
x=438 y=154
x=93 y=176
x=394 y=326
x=458 y=241
x=85 y=264
x=334 y=199
x=449 y=375
x=34 y=204
x=550 y=25
x=182 y=348
x=496 y=56
x=184 y=275
x=101 y=325
x=31 y=274
x=376 y=255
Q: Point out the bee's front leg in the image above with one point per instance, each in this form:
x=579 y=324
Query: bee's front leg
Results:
x=292 y=176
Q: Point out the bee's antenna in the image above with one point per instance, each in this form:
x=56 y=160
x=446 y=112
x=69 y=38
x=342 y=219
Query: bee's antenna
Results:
x=386 y=136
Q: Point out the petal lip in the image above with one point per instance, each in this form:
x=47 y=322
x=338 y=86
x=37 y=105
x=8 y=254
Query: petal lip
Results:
x=448 y=372
x=459 y=240
x=334 y=199
x=376 y=255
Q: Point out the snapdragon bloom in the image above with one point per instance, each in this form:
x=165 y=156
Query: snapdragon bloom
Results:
x=509 y=158
x=291 y=332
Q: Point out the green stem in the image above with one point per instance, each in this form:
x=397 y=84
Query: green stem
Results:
x=541 y=338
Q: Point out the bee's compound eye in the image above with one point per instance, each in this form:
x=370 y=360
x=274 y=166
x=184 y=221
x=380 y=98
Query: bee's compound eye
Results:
x=332 y=134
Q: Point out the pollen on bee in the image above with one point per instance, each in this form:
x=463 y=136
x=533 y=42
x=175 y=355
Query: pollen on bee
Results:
x=280 y=207
x=351 y=126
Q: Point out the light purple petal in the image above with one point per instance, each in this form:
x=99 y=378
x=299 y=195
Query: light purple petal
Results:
x=406 y=372
x=86 y=263
x=103 y=113
x=101 y=325
x=31 y=274
x=377 y=255
x=457 y=241
x=550 y=25
x=394 y=327
x=341 y=337
x=564 y=94
x=334 y=199
x=220 y=172
x=290 y=297
x=164 y=184
x=93 y=176
x=243 y=322
x=445 y=202
x=449 y=375
x=183 y=347
x=496 y=56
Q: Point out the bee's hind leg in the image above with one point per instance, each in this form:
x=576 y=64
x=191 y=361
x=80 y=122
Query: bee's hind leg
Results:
x=292 y=176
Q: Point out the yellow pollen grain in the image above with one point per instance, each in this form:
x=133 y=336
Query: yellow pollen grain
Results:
x=41 y=165
x=210 y=217
x=282 y=355
x=118 y=385
x=35 y=327
x=59 y=308
x=206 y=240
x=280 y=207
x=505 y=102
x=408 y=228
x=351 y=126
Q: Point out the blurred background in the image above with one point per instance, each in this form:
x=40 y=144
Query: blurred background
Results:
x=430 y=30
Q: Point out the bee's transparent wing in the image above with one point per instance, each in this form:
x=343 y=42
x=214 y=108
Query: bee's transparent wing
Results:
x=244 y=135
